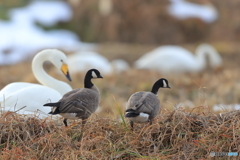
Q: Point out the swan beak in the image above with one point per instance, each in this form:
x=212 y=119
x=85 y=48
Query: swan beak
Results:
x=65 y=71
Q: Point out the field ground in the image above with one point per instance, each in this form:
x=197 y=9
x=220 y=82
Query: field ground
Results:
x=187 y=128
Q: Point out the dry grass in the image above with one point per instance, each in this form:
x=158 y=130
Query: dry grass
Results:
x=174 y=135
x=187 y=128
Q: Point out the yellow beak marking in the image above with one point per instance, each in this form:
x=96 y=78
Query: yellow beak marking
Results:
x=64 y=68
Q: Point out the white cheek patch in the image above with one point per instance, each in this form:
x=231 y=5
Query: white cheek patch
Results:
x=164 y=84
x=94 y=75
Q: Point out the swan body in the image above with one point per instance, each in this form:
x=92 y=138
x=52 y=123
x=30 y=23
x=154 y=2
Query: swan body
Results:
x=119 y=65
x=84 y=60
x=183 y=10
x=178 y=60
x=16 y=95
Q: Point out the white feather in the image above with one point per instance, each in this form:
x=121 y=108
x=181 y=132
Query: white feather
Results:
x=143 y=117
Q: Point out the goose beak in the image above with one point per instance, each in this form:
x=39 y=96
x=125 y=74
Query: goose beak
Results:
x=100 y=76
x=169 y=87
x=65 y=71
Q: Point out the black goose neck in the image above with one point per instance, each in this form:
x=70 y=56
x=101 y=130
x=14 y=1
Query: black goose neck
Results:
x=87 y=81
x=155 y=88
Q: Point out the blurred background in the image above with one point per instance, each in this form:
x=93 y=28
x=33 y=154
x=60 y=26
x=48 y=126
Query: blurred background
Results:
x=126 y=30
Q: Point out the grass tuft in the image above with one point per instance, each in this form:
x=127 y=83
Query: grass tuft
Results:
x=177 y=134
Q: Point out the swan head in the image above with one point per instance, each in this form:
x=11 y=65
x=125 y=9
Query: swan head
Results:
x=214 y=57
x=64 y=69
x=57 y=58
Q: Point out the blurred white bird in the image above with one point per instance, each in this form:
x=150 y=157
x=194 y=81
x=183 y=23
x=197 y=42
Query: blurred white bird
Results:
x=225 y=107
x=176 y=59
x=84 y=60
x=16 y=95
x=119 y=65
x=182 y=10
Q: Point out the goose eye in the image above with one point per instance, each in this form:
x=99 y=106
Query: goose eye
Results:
x=61 y=60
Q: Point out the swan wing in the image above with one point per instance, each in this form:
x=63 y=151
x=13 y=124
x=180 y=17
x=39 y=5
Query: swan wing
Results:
x=32 y=97
x=14 y=87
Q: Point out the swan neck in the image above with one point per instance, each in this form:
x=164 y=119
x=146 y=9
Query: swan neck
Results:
x=201 y=58
x=44 y=78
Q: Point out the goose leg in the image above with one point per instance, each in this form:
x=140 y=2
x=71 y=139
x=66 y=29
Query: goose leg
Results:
x=65 y=122
x=150 y=121
x=84 y=122
x=131 y=123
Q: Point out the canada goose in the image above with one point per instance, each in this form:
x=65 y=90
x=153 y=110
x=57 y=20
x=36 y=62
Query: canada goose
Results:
x=144 y=106
x=79 y=103
x=176 y=59
x=19 y=94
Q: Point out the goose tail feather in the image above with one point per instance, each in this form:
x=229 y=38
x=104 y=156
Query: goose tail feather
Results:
x=131 y=113
x=57 y=104
x=55 y=109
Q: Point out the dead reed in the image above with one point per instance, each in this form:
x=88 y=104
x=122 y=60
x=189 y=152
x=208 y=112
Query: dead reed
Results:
x=175 y=134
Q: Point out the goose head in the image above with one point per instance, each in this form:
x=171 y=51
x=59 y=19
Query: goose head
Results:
x=94 y=73
x=91 y=74
x=161 y=83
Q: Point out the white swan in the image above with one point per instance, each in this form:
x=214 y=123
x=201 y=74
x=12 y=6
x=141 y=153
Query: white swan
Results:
x=85 y=60
x=16 y=95
x=178 y=60
x=119 y=65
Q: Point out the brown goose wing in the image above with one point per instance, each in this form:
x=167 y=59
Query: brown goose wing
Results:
x=81 y=101
x=71 y=92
